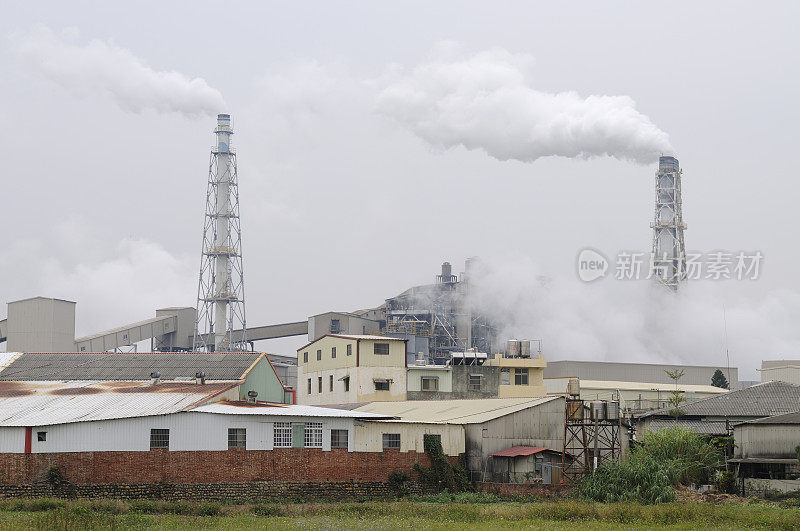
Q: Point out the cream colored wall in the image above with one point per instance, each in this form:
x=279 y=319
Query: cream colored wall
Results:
x=328 y=362
x=415 y=374
x=362 y=385
x=395 y=358
x=535 y=387
x=789 y=374
x=368 y=437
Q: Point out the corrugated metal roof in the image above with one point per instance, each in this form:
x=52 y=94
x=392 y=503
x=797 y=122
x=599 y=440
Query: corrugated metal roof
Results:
x=48 y=403
x=788 y=418
x=516 y=451
x=453 y=411
x=702 y=427
x=46 y=366
x=287 y=410
x=763 y=400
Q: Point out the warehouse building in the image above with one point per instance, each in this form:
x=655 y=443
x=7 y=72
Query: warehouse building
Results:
x=634 y=397
x=252 y=371
x=340 y=369
x=780 y=370
x=637 y=372
x=717 y=415
x=765 y=449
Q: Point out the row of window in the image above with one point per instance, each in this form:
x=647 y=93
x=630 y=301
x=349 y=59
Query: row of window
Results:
x=431 y=383
x=381 y=384
x=378 y=348
x=285 y=435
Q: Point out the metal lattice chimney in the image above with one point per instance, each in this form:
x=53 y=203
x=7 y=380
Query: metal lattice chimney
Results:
x=669 y=252
x=220 y=324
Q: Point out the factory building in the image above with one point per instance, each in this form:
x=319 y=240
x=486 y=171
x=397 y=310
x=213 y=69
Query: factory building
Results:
x=251 y=373
x=339 y=369
x=637 y=372
x=780 y=371
x=633 y=397
x=716 y=415
x=766 y=449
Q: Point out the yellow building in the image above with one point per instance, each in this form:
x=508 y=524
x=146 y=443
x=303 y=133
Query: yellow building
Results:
x=341 y=369
x=520 y=377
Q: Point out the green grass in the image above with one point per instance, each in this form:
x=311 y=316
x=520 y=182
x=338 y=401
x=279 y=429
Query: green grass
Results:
x=421 y=513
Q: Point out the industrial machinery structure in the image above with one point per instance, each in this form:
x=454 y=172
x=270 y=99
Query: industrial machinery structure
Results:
x=442 y=312
x=669 y=252
x=589 y=442
x=220 y=323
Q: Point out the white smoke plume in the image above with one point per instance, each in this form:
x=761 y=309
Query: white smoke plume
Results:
x=638 y=321
x=103 y=68
x=487 y=102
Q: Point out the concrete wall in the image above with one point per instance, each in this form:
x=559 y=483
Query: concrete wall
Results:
x=443 y=373
x=637 y=372
x=766 y=440
x=456 y=384
x=188 y=431
x=319 y=325
x=782 y=371
x=369 y=436
x=534 y=366
x=41 y=325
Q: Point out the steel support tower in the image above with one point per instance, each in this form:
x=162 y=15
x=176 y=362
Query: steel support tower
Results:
x=220 y=325
x=588 y=442
x=669 y=252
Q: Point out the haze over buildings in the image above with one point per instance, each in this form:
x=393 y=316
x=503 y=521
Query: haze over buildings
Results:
x=358 y=181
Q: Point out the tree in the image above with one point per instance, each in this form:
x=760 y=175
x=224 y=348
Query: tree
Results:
x=719 y=380
x=676 y=397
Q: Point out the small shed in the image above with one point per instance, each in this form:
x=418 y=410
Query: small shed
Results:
x=526 y=464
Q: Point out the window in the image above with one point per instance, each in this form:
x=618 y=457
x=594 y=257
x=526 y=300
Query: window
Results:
x=381 y=385
x=381 y=348
x=159 y=438
x=349 y=350
x=41 y=436
x=237 y=438
x=346 y=381
x=391 y=441
x=430 y=383
x=319 y=384
x=474 y=382
x=333 y=352
x=520 y=376
x=319 y=355
x=309 y=386
x=305 y=357
x=313 y=436
x=282 y=435
x=338 y=438
x=335 y=326
x=330 y=383
x=505 y=377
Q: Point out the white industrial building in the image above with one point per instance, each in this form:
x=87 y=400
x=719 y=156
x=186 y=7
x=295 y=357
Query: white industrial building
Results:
x=780 y=371
x=638 y=372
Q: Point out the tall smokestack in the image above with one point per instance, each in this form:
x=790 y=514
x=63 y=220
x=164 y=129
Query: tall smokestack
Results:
x=669 y=252
x=220 y=324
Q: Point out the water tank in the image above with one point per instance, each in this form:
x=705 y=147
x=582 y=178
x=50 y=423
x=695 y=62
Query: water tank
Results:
x=575 y=409
x=513 y=348
x=574 y=387
x=598 y=409
x=525 y=348
x=612 y=410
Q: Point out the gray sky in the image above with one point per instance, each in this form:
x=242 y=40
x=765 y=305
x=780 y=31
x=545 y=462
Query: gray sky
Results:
x=346 y=201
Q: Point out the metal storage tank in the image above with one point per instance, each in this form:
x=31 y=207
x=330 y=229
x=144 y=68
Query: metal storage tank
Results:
x=525 y=348
x=513 y=348
x=574 y=387
x=575 y=410
x=598 y=409
x=612 y=410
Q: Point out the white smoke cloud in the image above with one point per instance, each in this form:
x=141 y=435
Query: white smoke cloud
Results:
x=487 y=101
x=103 y=68
x=638 y=321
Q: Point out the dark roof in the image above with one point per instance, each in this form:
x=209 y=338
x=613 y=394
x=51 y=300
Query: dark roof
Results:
x=763 y=400
x=701 y=427
x=128 y=365
x=515 y=451
x=788 y=418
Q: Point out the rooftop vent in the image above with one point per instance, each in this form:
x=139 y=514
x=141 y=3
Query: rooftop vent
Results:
x=155 y=378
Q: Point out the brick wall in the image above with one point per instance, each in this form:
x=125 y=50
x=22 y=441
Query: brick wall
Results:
x=289 y=465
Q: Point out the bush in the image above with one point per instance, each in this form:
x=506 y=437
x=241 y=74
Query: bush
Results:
x=268 y=509
x=208 y=509
x=441 y=475
x=664 y=459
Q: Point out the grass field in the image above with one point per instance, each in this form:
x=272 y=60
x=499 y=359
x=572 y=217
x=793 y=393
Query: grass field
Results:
x=465 y=511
